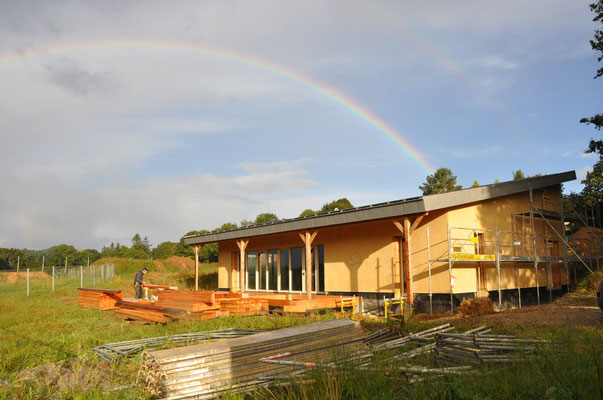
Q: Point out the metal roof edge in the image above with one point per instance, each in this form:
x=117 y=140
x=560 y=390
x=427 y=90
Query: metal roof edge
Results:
x=391 y=209
x=471 y=195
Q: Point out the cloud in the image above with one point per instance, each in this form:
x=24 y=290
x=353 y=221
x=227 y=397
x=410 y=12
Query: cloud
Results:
x=581 y=173
x=163 y=209
x=272 y=166
x=495 y=62
x=72 y=77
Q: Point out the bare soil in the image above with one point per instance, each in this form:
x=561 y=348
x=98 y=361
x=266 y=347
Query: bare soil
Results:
x=16 y=277
x=183 y=263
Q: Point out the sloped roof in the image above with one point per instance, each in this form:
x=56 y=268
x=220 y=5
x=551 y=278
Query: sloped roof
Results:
x=391 y=209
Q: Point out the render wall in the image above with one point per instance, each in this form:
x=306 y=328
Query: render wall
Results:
x=360 y=257
x=495 y=214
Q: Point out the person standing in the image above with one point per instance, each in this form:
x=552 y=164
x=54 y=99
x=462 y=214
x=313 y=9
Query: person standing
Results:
x=138 y=282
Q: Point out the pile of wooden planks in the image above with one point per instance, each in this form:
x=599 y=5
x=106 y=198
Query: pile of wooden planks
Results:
x=454 y=348
x=189 y=300
x=188 y=304
x=148 y=311
x=206 y=370
x=99 y=299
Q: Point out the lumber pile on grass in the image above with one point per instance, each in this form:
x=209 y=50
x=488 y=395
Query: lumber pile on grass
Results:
x=189 y=304
x=189 y=300
x=98 y=299
x=147 y=311
x=207 y=370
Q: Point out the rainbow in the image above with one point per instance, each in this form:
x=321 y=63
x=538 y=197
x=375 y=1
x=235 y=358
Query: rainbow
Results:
x=393 y=20
x=350 y=105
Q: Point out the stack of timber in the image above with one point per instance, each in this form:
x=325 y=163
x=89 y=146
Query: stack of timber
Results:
x=207 y=370
x=452 y=348
x=114 y=351
x=99 y=299
x=147 y=311
x=189 y=300
x=297 y=303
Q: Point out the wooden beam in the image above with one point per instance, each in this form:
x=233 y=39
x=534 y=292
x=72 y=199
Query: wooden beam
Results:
x=416 y=222
x=242 y=245
x=308 y=237
x=398 y=285
x=196 y=248
x=407 y=262
x=399 y=225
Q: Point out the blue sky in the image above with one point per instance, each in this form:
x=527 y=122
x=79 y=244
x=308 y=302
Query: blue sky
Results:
x=115 y=118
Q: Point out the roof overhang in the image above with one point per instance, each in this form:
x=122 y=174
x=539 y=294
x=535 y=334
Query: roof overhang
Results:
x=389 y=210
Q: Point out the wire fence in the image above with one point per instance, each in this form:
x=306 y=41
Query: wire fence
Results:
x=48 y=278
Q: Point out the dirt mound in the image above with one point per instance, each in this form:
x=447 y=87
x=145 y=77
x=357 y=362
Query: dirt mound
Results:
x=15 y=277
x=476 y=307
x=159 y=267
x=183 y=263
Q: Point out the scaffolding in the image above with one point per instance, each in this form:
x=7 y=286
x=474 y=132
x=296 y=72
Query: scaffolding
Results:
x=521 y=245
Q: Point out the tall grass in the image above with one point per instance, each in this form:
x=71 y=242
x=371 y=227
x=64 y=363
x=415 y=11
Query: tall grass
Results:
x=569 y=369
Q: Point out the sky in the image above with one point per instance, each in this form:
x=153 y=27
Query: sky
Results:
x=159 y=118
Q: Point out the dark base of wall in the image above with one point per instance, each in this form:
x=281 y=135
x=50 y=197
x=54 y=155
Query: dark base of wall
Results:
x=509 y=299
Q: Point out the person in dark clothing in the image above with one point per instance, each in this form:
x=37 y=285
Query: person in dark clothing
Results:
x=138 y=283
x=600 y=294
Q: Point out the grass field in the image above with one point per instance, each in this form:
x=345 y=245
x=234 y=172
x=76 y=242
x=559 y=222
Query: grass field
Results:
x=38 y=333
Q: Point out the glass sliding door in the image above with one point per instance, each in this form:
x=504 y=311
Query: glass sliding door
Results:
x=263 y=270
x=272 y=269
x=252 y=260
x=321 y=268
x=297 y=266
x=284 y=265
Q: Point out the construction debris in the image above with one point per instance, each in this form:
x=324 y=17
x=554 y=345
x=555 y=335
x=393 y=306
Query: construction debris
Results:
x=114 y=351
x=98 y=299
x=206 y=370
x=172 y=305
x=452 y=348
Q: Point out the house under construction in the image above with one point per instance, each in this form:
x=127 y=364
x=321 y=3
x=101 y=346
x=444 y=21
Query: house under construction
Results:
x=505 y=240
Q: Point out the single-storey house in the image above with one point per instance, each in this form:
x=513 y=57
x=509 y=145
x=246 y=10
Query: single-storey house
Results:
x=504 y=240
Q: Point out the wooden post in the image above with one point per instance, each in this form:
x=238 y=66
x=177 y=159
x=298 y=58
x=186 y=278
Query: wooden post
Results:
x=53 y=278
x=408 y=262
x=397 y=268
x=407 y=228
x=18 y=262
x=242 y=245
x=308 y=237
x=27 y=281
x=43 y=261
x=196 y=249
x=81 y=276
x=65 y=265
x=93 y=276
x=429 y=272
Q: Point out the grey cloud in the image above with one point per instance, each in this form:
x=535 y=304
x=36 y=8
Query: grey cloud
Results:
x=73 y=78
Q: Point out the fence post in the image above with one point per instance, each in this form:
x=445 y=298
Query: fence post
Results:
x=53 y=278
x=93 y=277
x=43 y=261
x=28 y=282
x=18 y=262
x=65 y=265
x=81 y=276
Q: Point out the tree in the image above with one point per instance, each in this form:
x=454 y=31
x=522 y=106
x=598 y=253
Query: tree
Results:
x=496 y=180
x=339 y=205
x=475 y=183
x=245 y=223
x=164 y=250
x=141 y=245
x=440 y=181
x=225 y=227
x=265 y=218
x=307 y=213
x=518 y=175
